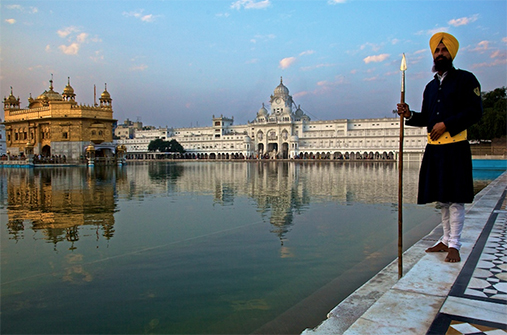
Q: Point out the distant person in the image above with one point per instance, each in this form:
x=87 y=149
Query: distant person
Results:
x=451 y=103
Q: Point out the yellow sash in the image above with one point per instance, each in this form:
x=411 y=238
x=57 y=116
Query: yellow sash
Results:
x=446 y=138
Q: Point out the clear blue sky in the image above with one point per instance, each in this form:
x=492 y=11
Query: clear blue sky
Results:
x=177 y=63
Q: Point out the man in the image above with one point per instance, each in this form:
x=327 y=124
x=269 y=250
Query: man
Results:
x=451 y=103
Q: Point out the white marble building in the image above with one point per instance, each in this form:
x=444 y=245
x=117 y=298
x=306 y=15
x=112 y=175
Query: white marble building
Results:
x=142 y=138
x=286 y=132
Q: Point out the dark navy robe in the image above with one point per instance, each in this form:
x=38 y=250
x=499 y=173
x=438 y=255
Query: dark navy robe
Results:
x=446 y=169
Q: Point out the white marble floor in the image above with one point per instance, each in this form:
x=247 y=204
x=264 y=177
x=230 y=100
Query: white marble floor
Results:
x=435 y=297
x=479 y=304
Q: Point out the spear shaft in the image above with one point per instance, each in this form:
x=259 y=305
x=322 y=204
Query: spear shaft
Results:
x=403 y=68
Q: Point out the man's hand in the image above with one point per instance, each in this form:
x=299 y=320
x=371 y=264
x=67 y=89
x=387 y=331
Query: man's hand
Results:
x=404 y=110
x=437 y=131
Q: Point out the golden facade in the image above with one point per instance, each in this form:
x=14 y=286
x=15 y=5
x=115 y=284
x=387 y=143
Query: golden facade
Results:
x=59 y=203
x=55 y=124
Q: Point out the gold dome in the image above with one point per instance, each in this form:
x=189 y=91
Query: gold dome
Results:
x=50 y=95
x=11 y=99
x=68 y=90
x=105 y=94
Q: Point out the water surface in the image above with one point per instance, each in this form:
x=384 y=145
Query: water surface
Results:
x=193 y=247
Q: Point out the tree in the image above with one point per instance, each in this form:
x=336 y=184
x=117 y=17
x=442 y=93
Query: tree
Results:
x=156 y=145
x=175 y=146
x=165 y=146
x=493 y=122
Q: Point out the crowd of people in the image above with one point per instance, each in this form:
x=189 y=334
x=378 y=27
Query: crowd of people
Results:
x=37 y=159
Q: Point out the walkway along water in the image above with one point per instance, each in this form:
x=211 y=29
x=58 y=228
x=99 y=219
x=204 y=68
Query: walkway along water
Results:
x=435 y=297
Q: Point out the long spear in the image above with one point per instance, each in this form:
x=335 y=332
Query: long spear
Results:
x=403 y=68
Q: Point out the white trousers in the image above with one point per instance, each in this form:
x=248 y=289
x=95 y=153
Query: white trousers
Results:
x=453 y=219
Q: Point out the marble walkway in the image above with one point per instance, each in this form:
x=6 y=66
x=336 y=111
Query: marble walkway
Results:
x=435 y=297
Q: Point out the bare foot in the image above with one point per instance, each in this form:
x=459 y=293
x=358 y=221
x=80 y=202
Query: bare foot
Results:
x=453 y=256
x=440 y=247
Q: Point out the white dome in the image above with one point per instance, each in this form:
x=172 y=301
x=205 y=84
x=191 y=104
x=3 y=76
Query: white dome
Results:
x=299 y=112
x=281 y=90
x=262 y=112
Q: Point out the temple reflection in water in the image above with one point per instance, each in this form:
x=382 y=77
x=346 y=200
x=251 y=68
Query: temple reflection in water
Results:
x=59 y=202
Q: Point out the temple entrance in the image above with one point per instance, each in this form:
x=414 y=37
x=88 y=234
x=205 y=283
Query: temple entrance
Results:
x=260 y=149
x=272 y=150
x=46 y=151
x=285 y=150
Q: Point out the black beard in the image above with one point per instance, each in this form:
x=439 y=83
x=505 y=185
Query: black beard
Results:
x=442 y=64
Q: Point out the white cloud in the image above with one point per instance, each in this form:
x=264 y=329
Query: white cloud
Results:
x=416 y=56
x=497 y=54
x=340 y=80
x=263 y=38
x=318 y=66
x=334 y=2
x=141 y=67
x=376 y=58
x=504 y=39
x=71 y=49
x=307 y=52
x=97 y=56
x=286 y=62
x=483 y=45
x=74 y=35
x=374 y=47
x=10 y=21
x=81 y=38
x=31 y=9
x=432 y=31
x=463 y=20
x=48 y=48
x=495 y=62
x=300 y=94
x=148 y=18
x=138 y=14
x=95 y=39
x=250 y=4
x=36 y=67
x=17 y=7
x=67 y=31
x=326 y=86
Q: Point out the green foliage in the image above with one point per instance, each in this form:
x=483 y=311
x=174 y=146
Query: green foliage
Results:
x=165 y=146
x=493 y=122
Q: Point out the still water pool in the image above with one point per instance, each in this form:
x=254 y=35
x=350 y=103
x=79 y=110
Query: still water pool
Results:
x=193 y=247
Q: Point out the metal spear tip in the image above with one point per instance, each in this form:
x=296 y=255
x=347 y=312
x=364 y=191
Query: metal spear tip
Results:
x=403 y=66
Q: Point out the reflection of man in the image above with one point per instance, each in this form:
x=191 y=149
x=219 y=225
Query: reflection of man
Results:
x=451 y=103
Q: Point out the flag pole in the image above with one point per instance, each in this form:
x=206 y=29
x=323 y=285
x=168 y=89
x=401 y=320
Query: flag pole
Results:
x=403 y=68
